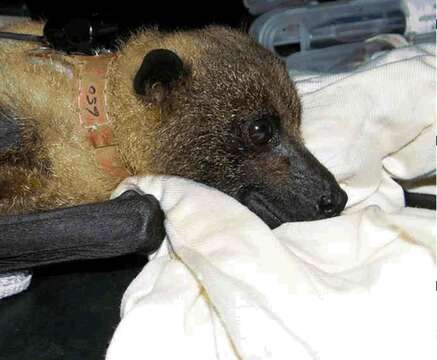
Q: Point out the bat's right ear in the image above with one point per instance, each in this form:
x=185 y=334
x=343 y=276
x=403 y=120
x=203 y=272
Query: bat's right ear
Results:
x=158 y=74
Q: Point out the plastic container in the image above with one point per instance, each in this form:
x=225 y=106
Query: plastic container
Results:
x=334 y=59
x=333 y=37
x=322 y=25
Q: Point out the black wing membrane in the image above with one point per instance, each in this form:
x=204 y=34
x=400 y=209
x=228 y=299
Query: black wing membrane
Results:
x=131 y=223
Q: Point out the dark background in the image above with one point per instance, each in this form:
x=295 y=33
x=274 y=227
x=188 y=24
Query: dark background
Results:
x=169 y=15
x=117 y=19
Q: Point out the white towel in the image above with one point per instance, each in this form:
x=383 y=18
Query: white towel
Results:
x=358 y=286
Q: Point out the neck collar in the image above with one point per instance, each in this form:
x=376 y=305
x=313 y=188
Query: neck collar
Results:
x=93 y=113
x=93 y=123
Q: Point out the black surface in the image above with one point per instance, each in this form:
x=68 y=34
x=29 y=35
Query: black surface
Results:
x=123 y=17
x=130 y=14
x=69 y=312
x=418 y=200
x=131 y=223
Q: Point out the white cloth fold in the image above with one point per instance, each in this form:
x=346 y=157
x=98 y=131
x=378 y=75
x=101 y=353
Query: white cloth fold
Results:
x=12 y=283
x=358 y=286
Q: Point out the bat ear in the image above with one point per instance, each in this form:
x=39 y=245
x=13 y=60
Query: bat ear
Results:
x=160 y=70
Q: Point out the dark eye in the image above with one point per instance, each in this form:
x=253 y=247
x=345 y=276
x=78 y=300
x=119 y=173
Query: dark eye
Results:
x=261 y=131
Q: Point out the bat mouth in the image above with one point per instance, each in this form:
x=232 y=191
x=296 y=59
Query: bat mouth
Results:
x=276 y=211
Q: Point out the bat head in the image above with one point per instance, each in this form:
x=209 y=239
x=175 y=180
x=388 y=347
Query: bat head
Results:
x=230 y=118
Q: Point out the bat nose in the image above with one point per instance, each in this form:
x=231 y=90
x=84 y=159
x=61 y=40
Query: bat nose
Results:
x=332 y=204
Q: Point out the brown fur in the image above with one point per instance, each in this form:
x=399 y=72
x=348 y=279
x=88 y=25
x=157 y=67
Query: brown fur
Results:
x=191 y=134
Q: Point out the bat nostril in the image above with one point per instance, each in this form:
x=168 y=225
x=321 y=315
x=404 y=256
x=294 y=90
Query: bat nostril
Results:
x=332 y=204
x=327 y=205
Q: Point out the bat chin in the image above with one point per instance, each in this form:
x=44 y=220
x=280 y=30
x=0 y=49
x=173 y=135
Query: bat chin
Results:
x=269 y=210
x=266 y=210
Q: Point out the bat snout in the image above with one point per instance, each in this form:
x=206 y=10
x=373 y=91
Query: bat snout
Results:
x=332 y=203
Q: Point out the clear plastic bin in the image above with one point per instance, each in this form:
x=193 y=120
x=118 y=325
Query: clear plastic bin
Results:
x=322 y=25
x=333 y=36
x=334 y=59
